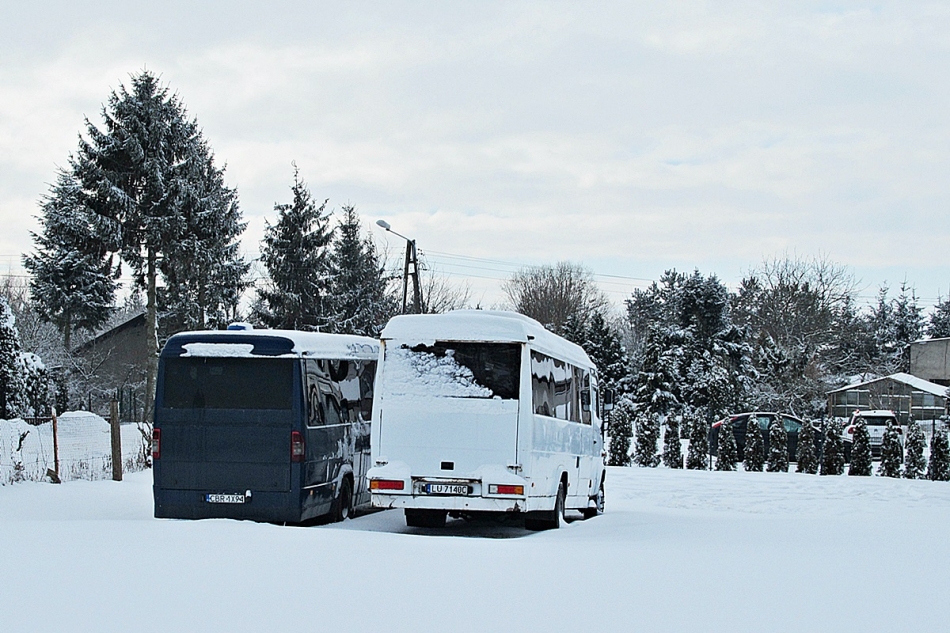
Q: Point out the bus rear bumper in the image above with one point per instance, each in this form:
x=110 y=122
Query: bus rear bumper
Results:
x=275 y=507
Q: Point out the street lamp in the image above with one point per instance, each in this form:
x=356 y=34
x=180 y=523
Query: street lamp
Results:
x=413 y=261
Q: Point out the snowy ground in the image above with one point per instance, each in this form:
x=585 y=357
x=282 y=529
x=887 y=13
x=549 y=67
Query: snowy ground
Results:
x=676 y=551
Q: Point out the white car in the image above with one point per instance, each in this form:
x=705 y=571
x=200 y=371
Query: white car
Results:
x=876 y=421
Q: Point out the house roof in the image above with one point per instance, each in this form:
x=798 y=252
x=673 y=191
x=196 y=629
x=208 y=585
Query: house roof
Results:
x=912 y=381
x=136 y=321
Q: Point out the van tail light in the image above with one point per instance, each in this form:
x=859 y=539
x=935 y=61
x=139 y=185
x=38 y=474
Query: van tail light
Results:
x=156 y=444
x=504 y=489
x=850 y=430
x=387 y=484
x=296 y=446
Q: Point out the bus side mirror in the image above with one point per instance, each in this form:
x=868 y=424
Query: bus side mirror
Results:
x=585 y=400
x=608 y=400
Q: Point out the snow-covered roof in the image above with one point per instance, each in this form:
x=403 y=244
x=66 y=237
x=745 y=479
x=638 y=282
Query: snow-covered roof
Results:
x=912 y=381
x=493 y=326
x=241 y=343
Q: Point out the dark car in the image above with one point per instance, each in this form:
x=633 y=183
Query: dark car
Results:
x=740 y=423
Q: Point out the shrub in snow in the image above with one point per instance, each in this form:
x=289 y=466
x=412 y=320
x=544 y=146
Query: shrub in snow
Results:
x=832 y=456
x=621 y=433
x=892 y=453
x=915 y=464
x=648 y=437
x=11 y=367
x=778 y=447
x=698 y=442
x=36 y=385
x=754 y=453
x=726 y=452
x=807 y=456
x=939 y=467
x=860 y=451
x=672 y=449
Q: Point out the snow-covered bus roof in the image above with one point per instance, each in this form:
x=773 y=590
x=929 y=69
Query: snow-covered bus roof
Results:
x=249 y=343
x=492 y=326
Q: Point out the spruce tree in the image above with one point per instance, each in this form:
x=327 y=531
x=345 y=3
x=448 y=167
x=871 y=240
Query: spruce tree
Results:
x=915 y=464
x=647 y=438
x=832 y=456
x=72 y=283
x=602 y=343
x=778 y=447
x=11 y=376
x=860 y=451
x=672 y=448
x=138 y=174
x=358 y=300
x=939 y=467
x=697 y=453
x=806 y=456
x=295 y=253
x=939 y=325
x=621 y=433
x=754 y=452
x=892 y=453
x=727 y=455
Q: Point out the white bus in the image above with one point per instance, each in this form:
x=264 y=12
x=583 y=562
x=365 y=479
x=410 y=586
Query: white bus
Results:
x=484 y=412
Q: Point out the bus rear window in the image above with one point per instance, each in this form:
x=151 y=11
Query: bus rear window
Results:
x=228 y=383
x=461 y=370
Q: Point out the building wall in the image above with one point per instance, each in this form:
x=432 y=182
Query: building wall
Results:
x=930 y=360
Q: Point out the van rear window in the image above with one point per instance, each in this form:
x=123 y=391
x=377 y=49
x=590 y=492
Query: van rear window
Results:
x=456 y=369
x=228 y=383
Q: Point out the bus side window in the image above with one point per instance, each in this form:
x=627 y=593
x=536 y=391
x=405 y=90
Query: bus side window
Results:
x=315 y=414
x=367 y=377
x=585 y=395
x=542 y=384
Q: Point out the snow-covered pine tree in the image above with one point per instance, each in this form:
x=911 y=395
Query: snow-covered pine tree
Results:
x=358 y=300
x=860 y=451
x=620 y=432
x=832 y=456
x=204 y=271
x=778 y=447
x=697 y=453
x=602 y=344
x=37 y=397
x=672 y=448
x=727 y=455
x=647 y=438
x=939 y=467
x=939 y=325
x=915 y=464
x=295 y=252
x=754 y=452
x=72 y=284
x=892 y=453
x=806 y=455
x=11 y=376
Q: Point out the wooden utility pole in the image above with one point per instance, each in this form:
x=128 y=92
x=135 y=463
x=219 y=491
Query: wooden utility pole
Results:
x=116 y=441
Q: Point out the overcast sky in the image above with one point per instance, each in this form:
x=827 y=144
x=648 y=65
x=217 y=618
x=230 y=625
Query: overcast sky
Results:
x=631 y=137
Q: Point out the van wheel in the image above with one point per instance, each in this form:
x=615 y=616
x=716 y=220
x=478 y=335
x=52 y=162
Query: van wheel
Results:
x=343 y=504
x=598 y=508
x=425 y=518
x=548 y=520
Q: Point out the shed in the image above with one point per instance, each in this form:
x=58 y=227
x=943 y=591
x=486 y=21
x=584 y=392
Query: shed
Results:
x=904 y=394
x=930 y=360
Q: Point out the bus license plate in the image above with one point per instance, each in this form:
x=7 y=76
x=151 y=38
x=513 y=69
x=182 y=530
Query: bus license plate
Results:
x=446 y=489
x=224 y=498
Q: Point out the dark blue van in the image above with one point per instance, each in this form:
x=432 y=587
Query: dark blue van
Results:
x=268 y=425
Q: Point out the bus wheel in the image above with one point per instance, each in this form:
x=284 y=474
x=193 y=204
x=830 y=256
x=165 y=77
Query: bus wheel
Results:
x=545 y=520
x=343 y=504
x=425 y=518
x=598 y=503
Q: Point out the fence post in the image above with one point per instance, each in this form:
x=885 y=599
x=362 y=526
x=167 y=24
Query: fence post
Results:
x=55 y=445
x=116 y=441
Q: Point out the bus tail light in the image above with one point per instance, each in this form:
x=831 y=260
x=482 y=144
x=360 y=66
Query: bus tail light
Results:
x=296 y=446
x=505 y=489
x=156 y=444
x=387 y=484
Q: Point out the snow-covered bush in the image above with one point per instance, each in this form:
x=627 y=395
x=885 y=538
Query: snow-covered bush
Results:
x=696 y=455
x=647 y=439
x=621 y=433
x=832 y=457
x=892 y=453
x=672 y=448
x=754 y=452
x=939 y=467
x=726 y=452
x=915 y=464
x=778 y=447
x=806 y=455
x=860 y=465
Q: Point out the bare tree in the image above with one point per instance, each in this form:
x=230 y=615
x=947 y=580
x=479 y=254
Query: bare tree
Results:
x=554 y=295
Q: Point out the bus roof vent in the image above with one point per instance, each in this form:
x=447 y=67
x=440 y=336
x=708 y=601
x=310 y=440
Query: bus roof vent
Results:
x=240 y=326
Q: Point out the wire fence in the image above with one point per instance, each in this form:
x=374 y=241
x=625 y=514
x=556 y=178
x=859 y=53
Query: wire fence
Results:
x=84 y=447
